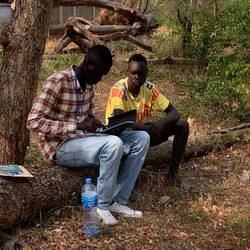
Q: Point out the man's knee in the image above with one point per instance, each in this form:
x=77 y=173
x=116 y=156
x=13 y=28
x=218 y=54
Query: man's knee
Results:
x=141 y=138
x=183 y=127
x=114 y=143
x=144 y=136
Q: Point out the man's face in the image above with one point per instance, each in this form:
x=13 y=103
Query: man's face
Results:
x=95 y=70
x=137 y=73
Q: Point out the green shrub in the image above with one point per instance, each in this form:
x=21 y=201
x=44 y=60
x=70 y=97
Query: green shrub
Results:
x=222 y=44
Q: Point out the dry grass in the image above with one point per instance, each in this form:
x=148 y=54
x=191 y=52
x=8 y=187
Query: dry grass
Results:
x=215 y=214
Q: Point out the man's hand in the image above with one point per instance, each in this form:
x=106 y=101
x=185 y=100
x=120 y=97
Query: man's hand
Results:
x=90 y=124
x=156 y=128
x=138 y=126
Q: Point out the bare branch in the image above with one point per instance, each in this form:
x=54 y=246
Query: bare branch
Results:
x=107 y=29
x=138 y=42
x=131 y=14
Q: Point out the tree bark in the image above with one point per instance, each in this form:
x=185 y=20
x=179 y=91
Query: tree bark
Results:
x=24 y=198
x=23 y=47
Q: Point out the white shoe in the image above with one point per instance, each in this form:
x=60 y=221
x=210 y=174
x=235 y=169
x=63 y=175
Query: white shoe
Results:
x=124 y=211
x=106 y=216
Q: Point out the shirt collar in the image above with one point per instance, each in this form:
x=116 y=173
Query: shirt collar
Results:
x=88 y=87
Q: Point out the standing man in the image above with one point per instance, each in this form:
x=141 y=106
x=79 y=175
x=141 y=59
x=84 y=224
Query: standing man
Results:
x=64 y=116
x=135 y=92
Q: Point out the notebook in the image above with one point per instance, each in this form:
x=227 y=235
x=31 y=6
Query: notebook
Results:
x=14 y=170
x=118 y=123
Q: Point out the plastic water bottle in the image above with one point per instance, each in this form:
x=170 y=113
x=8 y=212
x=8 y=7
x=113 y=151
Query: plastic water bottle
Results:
x=91 y=225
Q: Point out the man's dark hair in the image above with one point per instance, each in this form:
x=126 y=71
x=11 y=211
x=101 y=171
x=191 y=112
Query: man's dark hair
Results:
x=102 y=53
x=138 y=58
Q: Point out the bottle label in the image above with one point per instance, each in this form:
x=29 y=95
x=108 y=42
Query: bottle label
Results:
x=89 y=202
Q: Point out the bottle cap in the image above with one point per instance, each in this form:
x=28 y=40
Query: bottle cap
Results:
x=88 y=180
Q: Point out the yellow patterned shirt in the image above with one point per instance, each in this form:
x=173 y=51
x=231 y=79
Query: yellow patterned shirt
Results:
x=149 y=98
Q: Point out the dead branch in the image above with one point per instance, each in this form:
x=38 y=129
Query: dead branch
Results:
x=131 y=14
x=85 y=33
x=138 y=42
x=63 y=43
x=79 y=28
x=171 y=60
x=107 y=29
x=113 y=37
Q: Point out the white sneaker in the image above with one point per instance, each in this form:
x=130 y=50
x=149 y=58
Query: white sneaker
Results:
x=106 y=216
x=124 y=211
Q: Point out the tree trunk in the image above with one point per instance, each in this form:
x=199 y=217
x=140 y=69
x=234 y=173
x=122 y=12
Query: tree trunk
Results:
x=24 y=198
x=23 y=45
x=200 y=145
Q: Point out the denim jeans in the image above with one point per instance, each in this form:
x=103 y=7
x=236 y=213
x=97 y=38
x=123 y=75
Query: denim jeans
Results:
x=120 y=160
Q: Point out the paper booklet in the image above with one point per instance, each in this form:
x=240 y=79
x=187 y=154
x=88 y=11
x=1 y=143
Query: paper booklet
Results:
x=14 y=170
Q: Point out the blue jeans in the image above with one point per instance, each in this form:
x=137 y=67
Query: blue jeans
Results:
x=120 y=160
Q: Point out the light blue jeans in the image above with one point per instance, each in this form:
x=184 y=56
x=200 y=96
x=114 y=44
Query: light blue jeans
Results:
x=120 y=160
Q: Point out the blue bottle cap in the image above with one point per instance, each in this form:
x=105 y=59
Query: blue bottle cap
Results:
x=88 y=181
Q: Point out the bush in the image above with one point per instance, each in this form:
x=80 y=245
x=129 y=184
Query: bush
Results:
x=222 y=43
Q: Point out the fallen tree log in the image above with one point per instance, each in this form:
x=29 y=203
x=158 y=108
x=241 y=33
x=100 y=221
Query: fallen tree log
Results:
x=97 y=34
x=24 y=198
x=200 y=145
x=125 y=23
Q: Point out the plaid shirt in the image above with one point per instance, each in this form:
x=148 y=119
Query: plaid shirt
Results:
x=54 y=113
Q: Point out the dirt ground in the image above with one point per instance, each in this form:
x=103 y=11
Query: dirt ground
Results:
x=214 y=214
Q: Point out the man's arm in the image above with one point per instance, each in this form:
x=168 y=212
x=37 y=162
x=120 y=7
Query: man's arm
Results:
x=155 y=128
x=38 y=119
x=172 y=116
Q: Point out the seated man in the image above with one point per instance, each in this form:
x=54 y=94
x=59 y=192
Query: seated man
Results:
x=64 y=116
x=135 y=92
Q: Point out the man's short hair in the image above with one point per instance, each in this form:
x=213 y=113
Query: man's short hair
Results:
x=102 y=53
x=138 y=58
